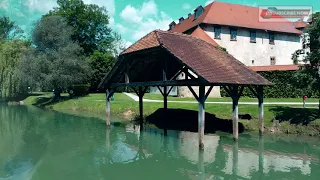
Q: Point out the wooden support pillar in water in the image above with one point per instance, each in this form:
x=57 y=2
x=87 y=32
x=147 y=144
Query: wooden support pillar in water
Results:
x=261 y=155
x=235 y=113
x=201 y=116
x=261 y=113
x=165 y=107
x=140 y=94
x=108 y=94
x=235 y=158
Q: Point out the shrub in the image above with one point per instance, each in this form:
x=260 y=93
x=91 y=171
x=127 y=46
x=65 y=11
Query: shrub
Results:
x=285 y=85
x=81 y=89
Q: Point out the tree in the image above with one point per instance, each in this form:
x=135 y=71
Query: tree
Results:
x=90 y=24
x=311 y=40
x=8 y=29
x=57 y=62
x=100 y=64
x=11 y=53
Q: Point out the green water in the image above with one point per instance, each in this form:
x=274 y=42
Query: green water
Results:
x=37 y=144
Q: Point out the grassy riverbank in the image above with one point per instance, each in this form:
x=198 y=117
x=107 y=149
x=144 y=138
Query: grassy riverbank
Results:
x=289 y=119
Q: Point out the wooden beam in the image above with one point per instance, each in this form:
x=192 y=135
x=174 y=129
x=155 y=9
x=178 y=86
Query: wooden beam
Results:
x=169 y=91
x=194 y=93
x=208 y=92
x=240 y=92
x=134 y=89
x=253 y=90
x=159 y=88
x=201 y=115
x=227 y=90
x=176 y=75
x=261 y=111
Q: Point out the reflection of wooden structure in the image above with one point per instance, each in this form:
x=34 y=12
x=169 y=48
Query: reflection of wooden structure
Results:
x=160 y=57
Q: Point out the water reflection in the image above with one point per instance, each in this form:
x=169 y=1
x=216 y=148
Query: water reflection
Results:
x=38 y=144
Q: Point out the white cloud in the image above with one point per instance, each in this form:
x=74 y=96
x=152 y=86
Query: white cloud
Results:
x=127 y=44
x=130 y=13
x=149 y=8
x=108 y=4
x=4 y=4
x=208 y=2
x=186 y=6
x=144 y=19
x=42 y=6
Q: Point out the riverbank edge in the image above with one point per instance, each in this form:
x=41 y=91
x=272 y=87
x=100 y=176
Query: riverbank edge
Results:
x=129 y=115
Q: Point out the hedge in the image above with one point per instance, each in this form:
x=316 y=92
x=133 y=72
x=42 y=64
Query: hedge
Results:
x=285 y=86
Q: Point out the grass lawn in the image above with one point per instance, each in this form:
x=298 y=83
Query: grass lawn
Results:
x=125 y=107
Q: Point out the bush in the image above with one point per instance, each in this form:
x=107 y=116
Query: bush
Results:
x=81 y=89
x=285 y=86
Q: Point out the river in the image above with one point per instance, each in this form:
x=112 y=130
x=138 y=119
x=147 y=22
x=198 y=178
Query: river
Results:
x=40 y=144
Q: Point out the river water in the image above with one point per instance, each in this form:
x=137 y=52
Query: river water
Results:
x=39 y=144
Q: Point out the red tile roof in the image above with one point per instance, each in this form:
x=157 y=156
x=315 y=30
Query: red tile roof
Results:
x=199 y=33
x=234 y=15
x=203 y=58
x=275 y=68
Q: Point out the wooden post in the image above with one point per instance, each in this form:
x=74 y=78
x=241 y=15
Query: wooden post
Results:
x=108 y=107
x=261 y=154
x=201 y=115
x=140 y=94
x=165 y=107
x=235 y=159
x=261 y=113
x=201 y=166
x=235 y=112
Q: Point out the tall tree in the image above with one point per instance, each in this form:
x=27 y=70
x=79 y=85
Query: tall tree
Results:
x=57 y=62
x=8 y=29
x=311 y=70
x=11 y=53
x=100 y=64
x=90 y=24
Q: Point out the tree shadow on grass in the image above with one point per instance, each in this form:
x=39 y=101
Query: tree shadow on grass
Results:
x=187 y=120
x=47 y=101
x=295 y=115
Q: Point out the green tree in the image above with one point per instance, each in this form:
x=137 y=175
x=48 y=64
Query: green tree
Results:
x=90 y=24
x=11 y=53
x=311 y=71
x=100 y=64
x=8 y=29
x=57 y=62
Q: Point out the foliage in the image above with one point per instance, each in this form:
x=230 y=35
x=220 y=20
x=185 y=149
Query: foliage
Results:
x=311 y=70
x=286 y=84
x=100 y=64
x=81 y=89
x=56 y=62
x=90 y=24
x=222 y=49
x=11 y=53
x=8 y=29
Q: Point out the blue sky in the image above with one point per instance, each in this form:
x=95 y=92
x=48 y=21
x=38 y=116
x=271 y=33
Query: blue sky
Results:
x=134 y=18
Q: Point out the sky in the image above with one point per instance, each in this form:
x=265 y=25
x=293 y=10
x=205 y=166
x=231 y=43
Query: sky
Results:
x=131 y=19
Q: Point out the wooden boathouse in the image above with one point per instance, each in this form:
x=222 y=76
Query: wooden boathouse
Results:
x=157 y=59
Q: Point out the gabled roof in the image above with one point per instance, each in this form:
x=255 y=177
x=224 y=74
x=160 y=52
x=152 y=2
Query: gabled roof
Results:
x=275 y=68
x=199 y=33
x=236 y=15
x=207 y=61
